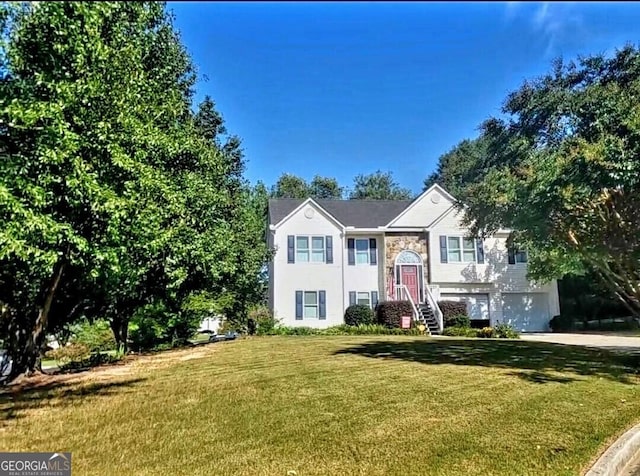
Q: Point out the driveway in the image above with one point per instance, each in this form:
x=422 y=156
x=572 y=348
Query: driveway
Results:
x=603 y=340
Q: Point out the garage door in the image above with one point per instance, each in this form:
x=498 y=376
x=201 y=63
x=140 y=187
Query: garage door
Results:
x=477 y=304
x=527 y=312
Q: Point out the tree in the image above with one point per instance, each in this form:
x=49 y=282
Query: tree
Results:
x=325 y=187
x=378 y=186
x=290 y=186
x=563 y=171
x=85 y=106
x=115 y=196
x=460 y=166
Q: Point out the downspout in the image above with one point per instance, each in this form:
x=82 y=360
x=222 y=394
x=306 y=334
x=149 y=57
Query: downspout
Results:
x=343 y=242
x=427 y=238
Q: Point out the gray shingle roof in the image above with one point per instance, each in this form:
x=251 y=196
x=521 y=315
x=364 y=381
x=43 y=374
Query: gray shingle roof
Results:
x=358 y=213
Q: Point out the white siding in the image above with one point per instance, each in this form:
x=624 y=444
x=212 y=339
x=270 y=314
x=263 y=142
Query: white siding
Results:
x=424 y=211
x=287 y=278
x=363 y=277
x=496 y=269
x=495 y=277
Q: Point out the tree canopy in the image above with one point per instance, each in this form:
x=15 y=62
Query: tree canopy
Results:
x=561 y=169
x=378 y=186
x=114 y=195
x=462 y=165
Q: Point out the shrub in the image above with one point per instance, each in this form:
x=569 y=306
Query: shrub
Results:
x=368 y=329
x=487 y=332
x=145 y=327
x=505 y=331
x=389 y=313
x=452 y=308
x=562 y=322
x=73 y=352
x=91 y=361
x=363 y=329
x=294 y=331
x=263 y=319
x=459 y=320
x=460 y=331
x=97 y=335
x=358 y=314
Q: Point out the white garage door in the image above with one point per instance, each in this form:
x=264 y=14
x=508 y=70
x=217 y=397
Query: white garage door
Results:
x=527 y=312
x=477 y=304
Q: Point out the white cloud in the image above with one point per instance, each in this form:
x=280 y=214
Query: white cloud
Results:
x=556 y=23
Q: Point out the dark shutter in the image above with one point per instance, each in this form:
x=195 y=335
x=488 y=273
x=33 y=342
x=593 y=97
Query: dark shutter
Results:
x=512 y=255
x=351 y=248
x=373 y=251
x=374 y=299
x=322 y=301
x=480 y=250
x=298 y=304
x=329 y=244
x=443 y=249
x=352 y=298
x=291 y=252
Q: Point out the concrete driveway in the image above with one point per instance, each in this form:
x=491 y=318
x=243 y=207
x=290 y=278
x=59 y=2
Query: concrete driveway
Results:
x=600 y=340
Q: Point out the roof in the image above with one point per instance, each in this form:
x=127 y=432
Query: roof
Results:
x=356 y=213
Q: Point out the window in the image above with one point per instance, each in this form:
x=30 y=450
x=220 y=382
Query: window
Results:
x=456 y=254
x=469 y=250
x=453 y=245
x=317 y=249
x=362 y=251
x=364 y=299
x=521 y=256
x=310 y=304
x=317 y=252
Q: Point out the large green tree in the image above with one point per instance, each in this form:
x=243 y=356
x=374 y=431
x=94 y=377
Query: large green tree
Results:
x=460 y=166
x=290 y=186
x=114 y=195
x=563 y=169
x=378 y=186
x=325 y=187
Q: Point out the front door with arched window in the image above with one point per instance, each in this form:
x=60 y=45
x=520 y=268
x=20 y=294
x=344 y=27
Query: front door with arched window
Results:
x=409 y=273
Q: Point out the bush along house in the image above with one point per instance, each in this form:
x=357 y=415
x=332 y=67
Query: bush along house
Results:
x=330 y=254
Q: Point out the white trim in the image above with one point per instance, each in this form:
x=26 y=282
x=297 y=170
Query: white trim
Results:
x=315 y=204
x=310 y=249
x=441 y=217
x=419 y=276
x=356 y=251
x=368 y=293
x=352 y=229
x=435 y=186
x=305 y=305
x=461 y=239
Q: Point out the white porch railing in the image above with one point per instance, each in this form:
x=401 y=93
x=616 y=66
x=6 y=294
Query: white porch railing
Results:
x=433 y=304
x=402 y=294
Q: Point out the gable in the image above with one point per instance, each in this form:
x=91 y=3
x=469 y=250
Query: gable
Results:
x=427 y=208
x=309 y=218
x=356 y=213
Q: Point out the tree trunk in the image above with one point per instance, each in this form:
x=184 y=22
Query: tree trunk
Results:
x=25 y=340
x=120 y=327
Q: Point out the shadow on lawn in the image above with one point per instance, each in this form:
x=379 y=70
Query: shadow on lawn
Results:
x=13 y=403
x=532 y=361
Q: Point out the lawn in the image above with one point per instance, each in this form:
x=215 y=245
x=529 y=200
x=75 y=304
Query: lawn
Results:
x=333 y=405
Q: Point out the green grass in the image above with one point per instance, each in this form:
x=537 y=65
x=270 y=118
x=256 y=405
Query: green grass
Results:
x=386 y=405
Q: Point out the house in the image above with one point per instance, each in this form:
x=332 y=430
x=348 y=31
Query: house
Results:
x=330 y=254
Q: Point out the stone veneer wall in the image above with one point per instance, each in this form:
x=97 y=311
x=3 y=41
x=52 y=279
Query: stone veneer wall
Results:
x=396 y=242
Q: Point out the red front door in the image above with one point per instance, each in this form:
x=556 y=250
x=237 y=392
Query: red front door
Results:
x=409 y=277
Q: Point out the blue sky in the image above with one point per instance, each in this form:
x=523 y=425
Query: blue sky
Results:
x=338 y=89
